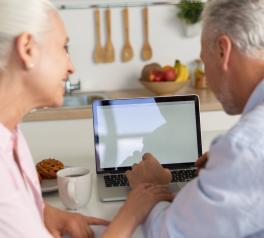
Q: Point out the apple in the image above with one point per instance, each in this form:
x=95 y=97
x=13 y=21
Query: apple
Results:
x=148 y=69
x=157 y=76
x=169 y=73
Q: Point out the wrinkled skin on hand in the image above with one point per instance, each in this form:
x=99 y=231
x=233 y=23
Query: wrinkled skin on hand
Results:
x=149 y=170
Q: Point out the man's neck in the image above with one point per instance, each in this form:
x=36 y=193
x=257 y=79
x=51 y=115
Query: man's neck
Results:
x=248 y=73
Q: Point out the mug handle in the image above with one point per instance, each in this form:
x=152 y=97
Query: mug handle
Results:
x=71 y=192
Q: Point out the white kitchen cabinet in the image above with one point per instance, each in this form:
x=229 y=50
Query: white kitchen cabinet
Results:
x=72 y=140
x=66 y=140
x=214 y=123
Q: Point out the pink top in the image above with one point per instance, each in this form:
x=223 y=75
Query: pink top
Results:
x=21 y=204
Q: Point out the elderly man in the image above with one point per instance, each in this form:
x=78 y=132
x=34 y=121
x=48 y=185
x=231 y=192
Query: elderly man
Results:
x=227 y=197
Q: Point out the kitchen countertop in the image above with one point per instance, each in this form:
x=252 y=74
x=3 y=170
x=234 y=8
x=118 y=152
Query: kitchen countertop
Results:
x=208 y=102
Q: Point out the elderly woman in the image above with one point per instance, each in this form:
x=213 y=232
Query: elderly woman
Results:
x=34 y=65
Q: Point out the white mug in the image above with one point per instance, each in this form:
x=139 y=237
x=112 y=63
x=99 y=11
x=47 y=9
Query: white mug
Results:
x=74 y=186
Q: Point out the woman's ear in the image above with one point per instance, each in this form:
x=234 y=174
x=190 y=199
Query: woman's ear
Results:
x=224 y=47
x=26 y=50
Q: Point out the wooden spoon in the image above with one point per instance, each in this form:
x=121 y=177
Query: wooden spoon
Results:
x=146 y=52
x=109 y=49
x=127 y=51
x=99 y=50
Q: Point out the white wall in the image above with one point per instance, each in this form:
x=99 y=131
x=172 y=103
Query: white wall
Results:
x=166 y=38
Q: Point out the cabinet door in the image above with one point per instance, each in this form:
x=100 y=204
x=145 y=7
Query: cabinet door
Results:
x=214 y=123
x=70 y=141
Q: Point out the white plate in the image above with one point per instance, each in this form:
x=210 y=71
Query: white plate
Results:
x=49 y=185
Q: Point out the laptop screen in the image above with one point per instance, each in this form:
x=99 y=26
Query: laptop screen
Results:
x=125 y=129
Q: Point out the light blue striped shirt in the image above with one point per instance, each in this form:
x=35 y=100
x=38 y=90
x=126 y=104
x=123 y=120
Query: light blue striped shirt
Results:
x=226 y=200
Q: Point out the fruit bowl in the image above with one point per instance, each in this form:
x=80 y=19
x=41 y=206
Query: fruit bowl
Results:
x=163 y=87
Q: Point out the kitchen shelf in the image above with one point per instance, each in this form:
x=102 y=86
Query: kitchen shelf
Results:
x=86 y=4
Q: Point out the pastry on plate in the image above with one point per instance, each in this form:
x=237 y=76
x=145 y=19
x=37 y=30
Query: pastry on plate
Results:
x=48 y=168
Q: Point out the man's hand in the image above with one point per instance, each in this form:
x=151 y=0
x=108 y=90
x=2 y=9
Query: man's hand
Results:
x=201 y=162
x=60 y=222
x=139 y=203
x=149 y=170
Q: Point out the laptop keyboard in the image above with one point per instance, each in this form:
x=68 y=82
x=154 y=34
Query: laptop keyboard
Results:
x=183 y=175
x=119 y=180
x=116 y=180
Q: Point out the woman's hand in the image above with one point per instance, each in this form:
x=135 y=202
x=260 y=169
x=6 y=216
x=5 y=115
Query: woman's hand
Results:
x=60 y=222
x=139 y=203
x=201 y=162
x=149 y=170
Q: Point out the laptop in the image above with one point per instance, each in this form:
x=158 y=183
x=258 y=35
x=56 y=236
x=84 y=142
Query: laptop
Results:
x=125 y=129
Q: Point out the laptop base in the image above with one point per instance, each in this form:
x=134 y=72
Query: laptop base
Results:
x=109 y=194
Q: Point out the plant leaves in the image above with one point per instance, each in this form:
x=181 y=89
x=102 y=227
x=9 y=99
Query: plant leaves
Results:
x=190 y=11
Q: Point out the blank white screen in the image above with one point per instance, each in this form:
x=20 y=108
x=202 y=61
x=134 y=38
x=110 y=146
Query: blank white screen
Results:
x=126 y=132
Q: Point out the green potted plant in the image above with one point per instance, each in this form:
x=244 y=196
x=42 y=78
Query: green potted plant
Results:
x=190 y=12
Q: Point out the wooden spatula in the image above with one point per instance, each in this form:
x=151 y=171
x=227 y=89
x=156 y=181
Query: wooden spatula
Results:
x=146 y=52
x=99 y=50
x=127 y=51
x=109 y=48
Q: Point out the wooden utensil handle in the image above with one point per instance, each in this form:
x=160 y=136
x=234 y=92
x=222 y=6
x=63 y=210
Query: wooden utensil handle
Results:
x=108 y=22
x=126 y=23
x=97 y=24
x=145 y=16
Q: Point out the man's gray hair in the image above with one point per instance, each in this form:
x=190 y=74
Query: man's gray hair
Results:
x=18 y=16
x=241 y=20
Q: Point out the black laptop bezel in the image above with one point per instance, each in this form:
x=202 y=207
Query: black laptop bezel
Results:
x=126 y=101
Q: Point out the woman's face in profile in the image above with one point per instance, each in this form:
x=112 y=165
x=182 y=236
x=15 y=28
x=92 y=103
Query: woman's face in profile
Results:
x=53 y=65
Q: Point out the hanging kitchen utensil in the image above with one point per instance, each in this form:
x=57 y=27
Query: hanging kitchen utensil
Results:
x=127 y=51
x=98 y=55
x=109 y=48
x=146 y=52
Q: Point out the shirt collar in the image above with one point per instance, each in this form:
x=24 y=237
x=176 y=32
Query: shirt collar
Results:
x=7 y=136
x=255 y=98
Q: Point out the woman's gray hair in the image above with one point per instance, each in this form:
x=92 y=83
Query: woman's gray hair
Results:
x=17 y=16
x=241 y=20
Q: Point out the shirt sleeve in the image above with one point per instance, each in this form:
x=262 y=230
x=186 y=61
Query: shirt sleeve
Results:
x=18 y=220
x=19 y=216
x=220 y=202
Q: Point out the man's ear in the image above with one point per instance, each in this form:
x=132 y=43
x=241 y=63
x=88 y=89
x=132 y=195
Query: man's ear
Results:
x=26 y=47
x=224 y=47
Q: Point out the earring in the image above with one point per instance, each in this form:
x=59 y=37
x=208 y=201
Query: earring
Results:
x=31 y=66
